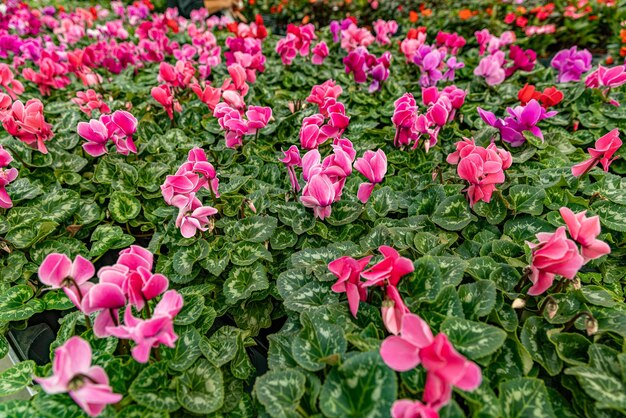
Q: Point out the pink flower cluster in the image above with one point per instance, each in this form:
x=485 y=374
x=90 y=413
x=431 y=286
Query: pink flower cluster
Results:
x=26 y=122
x=72 y=373
x=236 y=126
x=452 y=42
x=384 y=29
x=433 y=65
x=571 y=64
x=319 y=53
x=411 y=125
x=298 y=40
x=603 y=153
x=52 y=73
x=7 y=175
x=482 y=168
x=177 y=76
x=129 y=283
x=180 y=190
x=555 y=254
x=520 y=119
x=12 y=86
x=118 y=127
x=494 y=67
x=364 y=65
x=353 y=37
x=412 y=341
x=606 y=79
x=89 y=100
x=332 y=120
x=246 y=51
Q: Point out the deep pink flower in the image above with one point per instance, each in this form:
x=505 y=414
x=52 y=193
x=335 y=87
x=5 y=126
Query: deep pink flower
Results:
x=405 y=408
x=210 y=96
x=338 y=121
x=59 y=272
x=393 y=310
x=106 y=299
x=605 y=148
x=373 y=165
x=292 y=159
x=142 y=285
x=258 y=118
x=192 y=216
x=12 y=86
x=348 y=273
x=522 y=60
x=73 y=373
x=7 y=175
x=383 y=29
x=27 y=123
x=153 y=332
x=607 y=77
x=89 y=100
x=318 y=194
x=320 y=93
x=402 y=353
x=585 y=231
x=311 y=135
x=389 y=270
x=164 y=96
x=97 y=136
x=179 y=75
x=404 y=119
x=554 y=254
x=320 y=52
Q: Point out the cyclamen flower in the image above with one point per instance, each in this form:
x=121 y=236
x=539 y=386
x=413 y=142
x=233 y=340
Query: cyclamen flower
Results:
x=153 y=332
x=59 y=272
x=179 y=75
x=12 y=86
x=320 y=52
x=348 y=273
x=522 y=60
x=405 y=408
x=404 y=119
x=210 y=96
x=571 y=64
x=322 y=92
x=106 y=299
x=445 y=367
x=292 y=159
x=550 y=96
x=73 y=373
x=353 y=37
x=585 y=231
x=89 y=100
x=383 y=29
x=554 y=254
x=482 y=168
x=318 y=194
x=451 y=41
x=373 y=166
x=258 y=118
x=491 y=68
x=608 y=78
x=118 y=127
x=26 y=122
x=192 y=216
x=429 y=59
x=605 y=148
x=7 y=175
x=393 y=310
x=522 y=118
x=389 y=270
x=164 y=96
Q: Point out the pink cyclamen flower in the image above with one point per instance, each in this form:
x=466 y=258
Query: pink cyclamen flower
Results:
x=491 y=68
x=73 y=373
x=97 y=136
x=320 y=52
x=404 y=119
x=571 y=64
x=318 y=194
x=348 y=273
x=89 y=100
x=12 y=86
x=585 y=231
x=163 y=94
x=607 y=77
x=393 y=310
x=389 y=270
x=373 y=165
x=444 y=365
x=522 y=60
x=292 y=159
x=142 y=285
x=554 y=254
x=153 y=332
x=26 y=122
x=605 y=148
x=404 y=408
x=320 y=93
x=258 y=118
x=192 y=216
x=311 y=135
x=210 y=96
x=59 y=272
x=7 y=175
x=106 y=299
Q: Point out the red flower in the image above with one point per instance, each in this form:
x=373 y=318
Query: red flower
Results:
x=550 y=97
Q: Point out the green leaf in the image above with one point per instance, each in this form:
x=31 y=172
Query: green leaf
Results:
x=200 y=389
x=425 y=282
x=137 y=411
x=123 y=206
x=535 y=338
x=478 y=298
x=17 y=303
x=187 y=350
x=453 y=214
x=525 y=398
x=57 y=300
x=255 y=228
x=57 y=406
x=17 y=377
x=363 y=386
x=246 y=253
x=280 y=392
x=242 y=281
x=527 y=199
x=473 y=339
x=571 y=347
x=382 y=201
x=25 y=236
x=344 y=212
x=185 y=257
x=612 y=215
x=222 y=346
x=192 y=309
x=318 y=344
x=494 y=211
x=17 y=409
x=108 y=237
x=152 y=389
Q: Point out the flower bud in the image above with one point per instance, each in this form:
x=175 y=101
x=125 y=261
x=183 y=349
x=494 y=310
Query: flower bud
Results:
x=519 y=303
x=551 y=308
x=591 y=325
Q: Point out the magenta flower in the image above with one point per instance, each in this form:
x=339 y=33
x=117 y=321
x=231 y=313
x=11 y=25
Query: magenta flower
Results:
x=404 y=119
x=522 y=60
x=164 y=96
x=26 y=122
x=73 y=373
x=6 y=177
x=106 y=299
x=97 y=136
x=429 y=59
x=404 y=408
x=320 y=52
x=59 y=272
x=292 y=159
x=605 y=148
x=585 y=231
x=118 y=127
x=12 y=86
x=311 y=135
x=389 y=270
x=402 y=353
x=210 y=96
x=318 y=194
x=607 y=77
x=320 y=93
x=356 y=63
x=348 y=273
x=554 y=254
x=258 y=118
x=89 y=100
x=232 y=122
x=179 y=75
x=142 y=285
x=571 y=64
x=338 y=120
x=393 y=310
x=153 y=332
x=192 y=216
x=491 y=68
x=373 y=165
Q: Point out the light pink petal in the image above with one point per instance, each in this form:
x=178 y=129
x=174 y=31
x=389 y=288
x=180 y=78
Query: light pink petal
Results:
x=54 y=269
x=399 y=354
